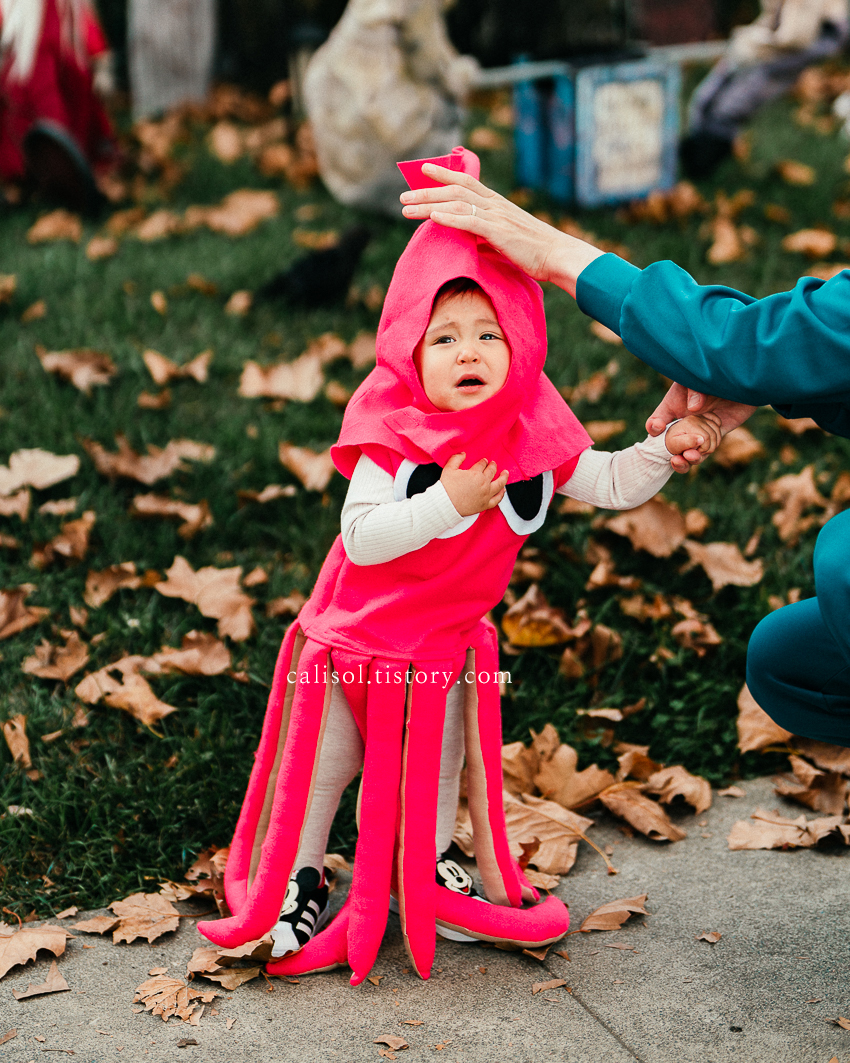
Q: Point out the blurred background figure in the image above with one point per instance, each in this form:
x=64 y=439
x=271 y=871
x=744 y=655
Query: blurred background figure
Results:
x=763 y=61
x=54 y=132
x=171 y=44
x=386 y=85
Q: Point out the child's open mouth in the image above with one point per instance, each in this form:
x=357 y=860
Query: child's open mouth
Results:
x=471 y=382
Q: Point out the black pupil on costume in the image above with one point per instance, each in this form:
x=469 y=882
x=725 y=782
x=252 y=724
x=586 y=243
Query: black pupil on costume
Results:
x=423 y=477
x=527 y=496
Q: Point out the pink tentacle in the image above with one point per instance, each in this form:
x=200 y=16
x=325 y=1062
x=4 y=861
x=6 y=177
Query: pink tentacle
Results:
x=529 y=927
x=373 y=863
x=287 y=810
x=239 y=859
x=325 y=951
x=500 y=874
x=426 y=712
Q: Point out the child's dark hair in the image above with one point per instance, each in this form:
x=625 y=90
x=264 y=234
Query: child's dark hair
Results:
x=458 y=286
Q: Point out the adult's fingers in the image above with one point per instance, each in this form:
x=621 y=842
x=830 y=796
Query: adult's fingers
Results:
x=672 y=407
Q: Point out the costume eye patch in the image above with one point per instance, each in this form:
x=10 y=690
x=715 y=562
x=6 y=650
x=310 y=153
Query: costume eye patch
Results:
x=525 y=503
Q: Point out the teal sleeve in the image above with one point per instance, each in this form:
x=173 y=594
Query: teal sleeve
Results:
x=791 y=350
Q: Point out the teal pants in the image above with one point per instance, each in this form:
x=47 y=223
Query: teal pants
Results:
x=798 y=660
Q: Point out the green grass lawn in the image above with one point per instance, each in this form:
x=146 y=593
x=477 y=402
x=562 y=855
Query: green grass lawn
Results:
x=117 y=806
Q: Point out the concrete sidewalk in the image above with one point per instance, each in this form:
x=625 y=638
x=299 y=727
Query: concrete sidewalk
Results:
x=762 y=993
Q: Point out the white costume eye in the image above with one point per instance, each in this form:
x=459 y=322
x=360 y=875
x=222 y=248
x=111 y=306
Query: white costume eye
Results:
x=525 y=503
x=412 y=479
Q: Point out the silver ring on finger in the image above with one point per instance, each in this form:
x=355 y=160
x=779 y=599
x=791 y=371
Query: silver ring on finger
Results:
x=473 y=210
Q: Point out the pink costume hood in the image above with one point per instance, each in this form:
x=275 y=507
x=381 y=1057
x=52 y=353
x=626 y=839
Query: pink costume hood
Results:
x=526 y=427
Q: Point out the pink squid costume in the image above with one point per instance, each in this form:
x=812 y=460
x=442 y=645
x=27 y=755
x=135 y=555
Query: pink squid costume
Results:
x=397 y=634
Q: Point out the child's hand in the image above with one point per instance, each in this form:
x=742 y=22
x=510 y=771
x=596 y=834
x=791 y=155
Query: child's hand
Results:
x=476 y=489
x=694 y=437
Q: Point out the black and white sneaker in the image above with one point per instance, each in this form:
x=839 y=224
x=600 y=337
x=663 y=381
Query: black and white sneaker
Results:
x=457 y=879
x=305 y=911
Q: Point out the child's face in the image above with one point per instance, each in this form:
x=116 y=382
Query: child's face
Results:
x=464 y=357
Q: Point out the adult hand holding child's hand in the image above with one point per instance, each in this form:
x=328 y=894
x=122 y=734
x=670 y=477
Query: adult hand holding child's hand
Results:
x=694 y=438
x=473 y=490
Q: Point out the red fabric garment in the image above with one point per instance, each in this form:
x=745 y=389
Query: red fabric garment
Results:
x=58 y=93
x=428 y=602
x=526 y=427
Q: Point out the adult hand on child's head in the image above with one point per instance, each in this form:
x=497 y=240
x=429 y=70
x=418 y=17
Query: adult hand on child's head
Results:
x=475 y=489
x=681 y=401
x=461 y=202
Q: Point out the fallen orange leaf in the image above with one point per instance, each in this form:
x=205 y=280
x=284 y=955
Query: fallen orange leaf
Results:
x=822 y=791
x=100 y=586
x=195 y=516
x=21 y=946
x=739 y=447
x=625 y=799
x=612 y=915
x=158 y=463
x=301 y=380
x=816 y=243
x=163 y=370
x=100 y=247
x=724 y=564
x=36 y=468
x=312 y=469
x=216 y=593
x=14 y=615
x=796 y=173
x=772 y=831
x=57 y=225
x=532 y=621
x=168 y=997
x=54 y=983
x=57 y=662
x=669 y=783
x=657 y=527
x=84 y=368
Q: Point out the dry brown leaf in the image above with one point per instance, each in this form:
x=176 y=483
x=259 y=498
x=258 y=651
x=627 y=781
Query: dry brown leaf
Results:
x=532 y=621
x=590 y=390
x=100 y=247
x=612 y=915
x=711 y=936
x=60 y=507
x=168 y=997
x=696 y=522
x=21 y=946
x=122 y=221
x=216 y=593
x=816 y=243
x=144 y=915
x=160 y=225
x=57 y=662
x=797 y=426
x=54 y=983
x=822 y=791
x=602 y=431
x=256 y=577
x=163 y=370
x=669 y=783
x=739 y=447
x=558 y=780
x=200 y=654
x=828 y=757
x=315 y=241
x=727 y=243
x=795 y=493
x=84 y=368
x=634 y=763
x=100 y=586
x=625 y=799
x=149 y=401
x=36 y=468
x=268 y=494
x=158 y=463
x=194 y=515
x=17 y=505
x=159 y=302
x=240 y=212
x=37 y=311
x=732 y=791
x=67 y=913
x=756 y=730
x=312 y=469
x=121 y=687
x=290 y=605
x=361 y=350
x=15 y=733
x=553 y=983
x=57 y=225
x=724 y=564
x=657 y=527
x=225 y=142
x=772 y=831
x=556 y=828
x=825 y=271
x=14 y=615
x=8 y=287
x=697 y=634
x=519 y=766
x=239 y=303
x=796 y=173
x=72 y=542
x=301 y=380
x=641 y=609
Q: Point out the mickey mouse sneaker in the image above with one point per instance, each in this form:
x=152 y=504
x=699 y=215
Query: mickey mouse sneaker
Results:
x=305 y=911
x=457 y=879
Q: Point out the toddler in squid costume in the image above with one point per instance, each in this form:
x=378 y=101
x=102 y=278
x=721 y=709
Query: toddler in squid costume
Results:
x=454 y=445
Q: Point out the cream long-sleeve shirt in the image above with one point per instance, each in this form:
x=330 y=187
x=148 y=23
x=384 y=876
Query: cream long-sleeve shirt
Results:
x=376 y=528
